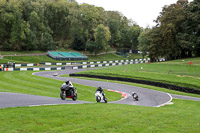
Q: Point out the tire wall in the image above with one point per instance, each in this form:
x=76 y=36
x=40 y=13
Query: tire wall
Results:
x=152 y=83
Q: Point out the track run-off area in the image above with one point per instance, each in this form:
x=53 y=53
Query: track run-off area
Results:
x=147 y=97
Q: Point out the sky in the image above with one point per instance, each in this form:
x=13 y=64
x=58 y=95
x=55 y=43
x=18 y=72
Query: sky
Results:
x=143 y=12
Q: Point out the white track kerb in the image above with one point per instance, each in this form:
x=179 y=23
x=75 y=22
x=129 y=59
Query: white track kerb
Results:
x=167 y=103
x=124 y=95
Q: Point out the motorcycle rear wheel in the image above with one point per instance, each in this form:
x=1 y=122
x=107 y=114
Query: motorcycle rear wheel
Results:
x=62 y=95
x=98 y=99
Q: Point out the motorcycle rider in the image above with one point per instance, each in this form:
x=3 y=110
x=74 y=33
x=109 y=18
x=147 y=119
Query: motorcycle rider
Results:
x=135 y=96
x=100 y=89
x=69 y=83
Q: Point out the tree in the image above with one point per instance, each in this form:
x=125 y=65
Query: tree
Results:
x=171 y=26
x=143 y=42
x=90 y=18
x=102 y=36
x=113 y=22
x=155 y=39
x=132 y=37
x=56 y=15
x=47 y=24
x=193 y=26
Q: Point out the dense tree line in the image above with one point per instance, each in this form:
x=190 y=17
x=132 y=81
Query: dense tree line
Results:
x=177 y=33
x=55 y=24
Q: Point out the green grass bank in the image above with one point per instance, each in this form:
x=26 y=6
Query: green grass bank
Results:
x=183 y=116
x=172 y=72
x=25 y=82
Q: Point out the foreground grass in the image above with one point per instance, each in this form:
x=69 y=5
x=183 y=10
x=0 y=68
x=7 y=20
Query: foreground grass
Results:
x=183 y=116
x=176 y=74
x=25 y=82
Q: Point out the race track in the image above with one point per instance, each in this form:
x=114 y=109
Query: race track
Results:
x=147 y=97
x=19 y=100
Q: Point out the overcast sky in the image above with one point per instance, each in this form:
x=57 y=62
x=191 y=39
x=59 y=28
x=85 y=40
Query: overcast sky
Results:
x=143 y=12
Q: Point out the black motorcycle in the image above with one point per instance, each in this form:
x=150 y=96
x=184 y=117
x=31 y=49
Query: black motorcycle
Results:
x=68 y=92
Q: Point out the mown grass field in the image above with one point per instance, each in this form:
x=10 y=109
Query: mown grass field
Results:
x=173 y=72
x=183 y=116
x=25 y=82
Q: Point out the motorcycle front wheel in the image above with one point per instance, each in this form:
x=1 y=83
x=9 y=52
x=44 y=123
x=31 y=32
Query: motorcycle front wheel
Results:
x=74 y=98
x=105 y=100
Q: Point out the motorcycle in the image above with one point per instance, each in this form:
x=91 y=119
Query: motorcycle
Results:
x=135 y=96
x=68 y=92
x=100 y=97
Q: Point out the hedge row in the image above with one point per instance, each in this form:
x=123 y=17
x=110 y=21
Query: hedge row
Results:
x=157 y=84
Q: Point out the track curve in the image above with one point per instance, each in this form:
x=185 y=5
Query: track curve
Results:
x=147 y=97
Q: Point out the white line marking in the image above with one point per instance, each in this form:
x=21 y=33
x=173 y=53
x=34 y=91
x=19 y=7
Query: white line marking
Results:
x=169 y=102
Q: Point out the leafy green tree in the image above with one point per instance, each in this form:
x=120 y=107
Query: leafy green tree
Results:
x=90 y=18
x=102 y=37
x=171 y=26
x=143 y=42
x=57 y=17
x=193 y=26
x=91 y=46
x=155 y=39
x=47 y=42
x=113 y=22
x=51 y=24
x=124 y=26
x=132 y=37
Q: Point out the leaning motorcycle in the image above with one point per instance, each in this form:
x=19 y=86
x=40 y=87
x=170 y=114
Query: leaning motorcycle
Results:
x=100 y=97
x=135 y=96
x=68 y=92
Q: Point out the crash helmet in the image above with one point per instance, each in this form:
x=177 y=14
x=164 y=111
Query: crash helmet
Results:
x=67 y=81
x=100 y=88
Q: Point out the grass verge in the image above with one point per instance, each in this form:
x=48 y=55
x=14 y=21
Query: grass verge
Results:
x=183 y=116
x=25 y=82
x=175 y=74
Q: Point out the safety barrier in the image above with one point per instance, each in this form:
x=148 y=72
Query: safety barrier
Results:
x=41 y=64
x=34 y=69
x=79 y=63
x=110 y=64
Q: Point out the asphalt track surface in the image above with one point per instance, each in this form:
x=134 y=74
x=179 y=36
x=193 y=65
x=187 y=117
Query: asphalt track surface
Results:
x=147 y=97
x=19 y=100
